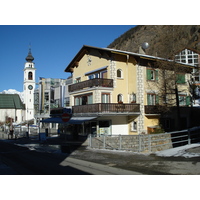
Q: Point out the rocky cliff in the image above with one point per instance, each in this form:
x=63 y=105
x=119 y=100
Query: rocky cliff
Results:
x=164 y=40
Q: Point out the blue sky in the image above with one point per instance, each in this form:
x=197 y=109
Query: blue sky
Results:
x=52 y=46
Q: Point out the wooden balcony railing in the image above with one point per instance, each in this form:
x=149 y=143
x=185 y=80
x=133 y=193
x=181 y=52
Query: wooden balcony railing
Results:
x=154 y=109
x=96 y=82
x=106 y=108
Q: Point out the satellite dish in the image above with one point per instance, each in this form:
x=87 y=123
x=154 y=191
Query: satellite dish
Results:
x=145 y=45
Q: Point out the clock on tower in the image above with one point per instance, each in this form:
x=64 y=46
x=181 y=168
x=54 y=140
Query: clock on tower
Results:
x=30 y=87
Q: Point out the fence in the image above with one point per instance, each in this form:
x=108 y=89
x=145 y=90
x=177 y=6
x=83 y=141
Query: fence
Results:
x=146 y=143
x=19 y=132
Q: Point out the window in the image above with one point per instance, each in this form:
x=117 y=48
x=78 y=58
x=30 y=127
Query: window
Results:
x=83 y=99
x=100 y=74
x=133 y=126
x=46 y=97
x=66 y=101
x=105 y=98
x=152 y=75
x=133 y=98
x=119 y=98
x=119 y=73
x=104 y=127
x=184 y=100
x=30 y=76
x=189 y=57
x=92 y=76
x=152 y=99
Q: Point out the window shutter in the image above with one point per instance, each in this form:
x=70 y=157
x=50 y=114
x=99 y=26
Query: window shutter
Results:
x=180 y=78
x=148 y=74
x=188 y=100
x=148 y=99
x=156 y=74
x=157 y=99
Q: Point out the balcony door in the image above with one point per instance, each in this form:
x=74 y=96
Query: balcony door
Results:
x=105 y=98
x=83 y=99
x=100 y=74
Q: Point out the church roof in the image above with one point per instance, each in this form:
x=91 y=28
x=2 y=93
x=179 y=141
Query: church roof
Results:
x=29 y=58
x=11 y=101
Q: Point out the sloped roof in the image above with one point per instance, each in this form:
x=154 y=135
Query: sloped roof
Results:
x=11 y=101
x=85 y=49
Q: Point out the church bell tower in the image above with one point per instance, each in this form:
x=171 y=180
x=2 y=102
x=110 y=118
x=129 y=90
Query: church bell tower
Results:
x=29 y=86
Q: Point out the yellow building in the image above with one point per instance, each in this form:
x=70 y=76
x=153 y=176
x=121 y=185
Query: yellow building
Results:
x=115 y=91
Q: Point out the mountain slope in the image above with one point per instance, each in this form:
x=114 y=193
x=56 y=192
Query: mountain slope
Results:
x=163 y=40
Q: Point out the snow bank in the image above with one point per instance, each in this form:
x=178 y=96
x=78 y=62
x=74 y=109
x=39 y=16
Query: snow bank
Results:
x=179 y=151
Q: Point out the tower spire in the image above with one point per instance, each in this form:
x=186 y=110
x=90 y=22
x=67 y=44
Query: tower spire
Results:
x=29 y=58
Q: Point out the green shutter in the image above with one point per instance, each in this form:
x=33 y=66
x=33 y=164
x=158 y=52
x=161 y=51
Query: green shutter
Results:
x=188 y=100
x=156 y=74
x=148 y=74
x=180 y=78
x=157 y=99
x=148 y=99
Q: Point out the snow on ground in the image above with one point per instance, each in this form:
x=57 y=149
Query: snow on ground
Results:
x=179 y=151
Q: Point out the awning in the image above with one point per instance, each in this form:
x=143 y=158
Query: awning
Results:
x=53 y=120
x=73 y=120
x=80 y=120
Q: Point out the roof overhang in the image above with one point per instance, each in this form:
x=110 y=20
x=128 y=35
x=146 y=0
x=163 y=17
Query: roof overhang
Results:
x=86 y=49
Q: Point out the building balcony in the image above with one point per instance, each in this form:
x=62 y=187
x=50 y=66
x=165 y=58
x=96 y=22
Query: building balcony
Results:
x=107 y=108
x=154 y=109
x=96 y=82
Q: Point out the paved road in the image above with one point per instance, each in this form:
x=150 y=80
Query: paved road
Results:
x=21 y=160
x=48 y=160
x=143 y=163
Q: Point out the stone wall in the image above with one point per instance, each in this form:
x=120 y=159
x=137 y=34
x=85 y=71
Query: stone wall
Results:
x=135 y=143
